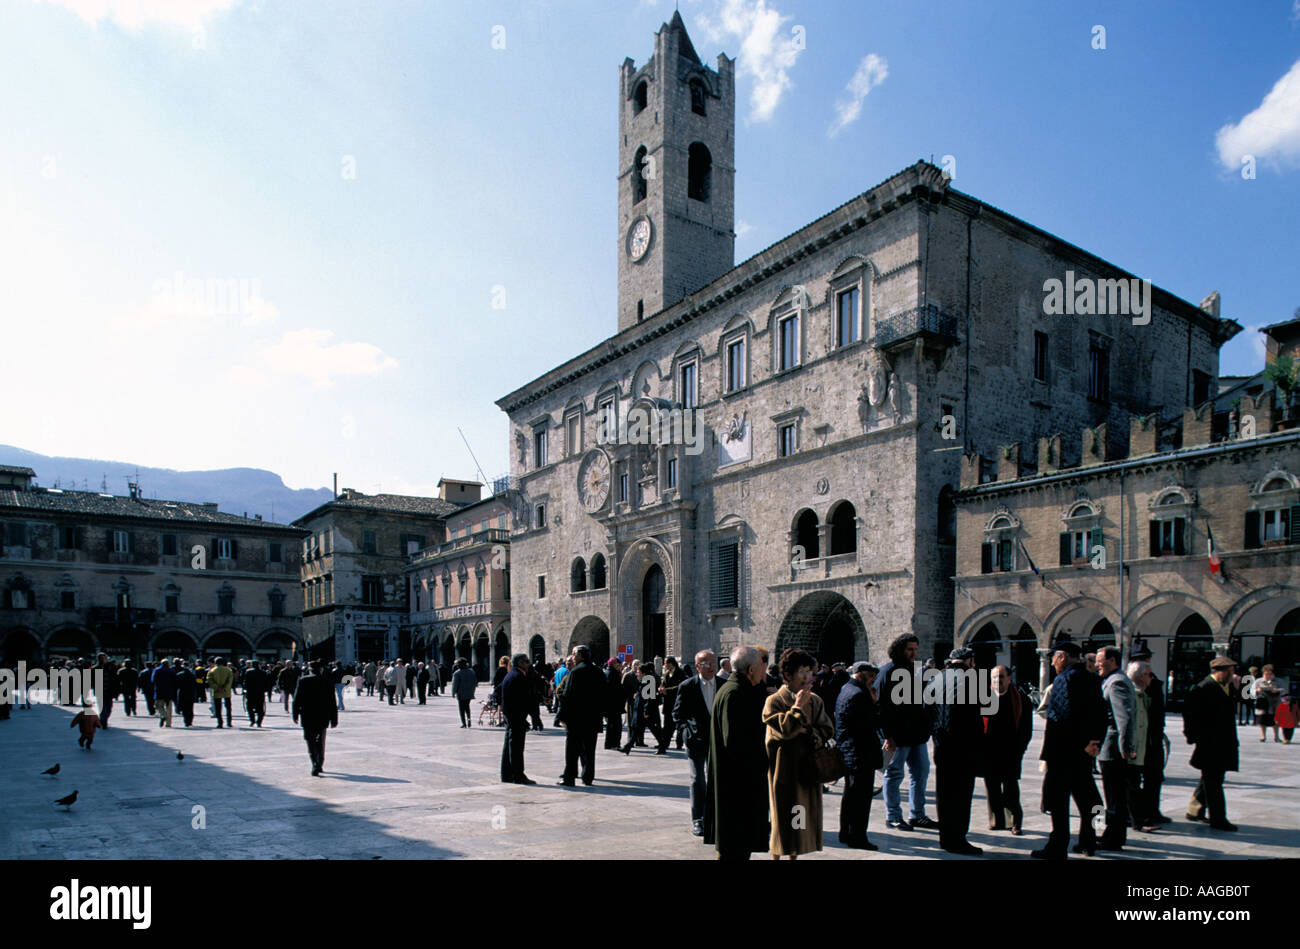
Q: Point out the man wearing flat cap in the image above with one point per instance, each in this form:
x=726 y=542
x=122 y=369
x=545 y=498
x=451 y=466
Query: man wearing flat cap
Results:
x=856 y=736
x=1210 y=723
x=1076 y=725
x=958 y=740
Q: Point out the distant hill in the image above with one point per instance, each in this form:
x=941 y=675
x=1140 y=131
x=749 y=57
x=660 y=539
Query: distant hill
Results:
x=236 y=490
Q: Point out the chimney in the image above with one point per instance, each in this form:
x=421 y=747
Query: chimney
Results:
x=1009 y=462
x=1094 y=445
x=133 y=488
x=972 y=469
x=1143 y=434
x=336 y=485
x=1211 y=304
x=1049 y=454
x=1197 y=424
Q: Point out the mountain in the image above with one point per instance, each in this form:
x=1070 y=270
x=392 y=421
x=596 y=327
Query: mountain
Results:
x=236 y=490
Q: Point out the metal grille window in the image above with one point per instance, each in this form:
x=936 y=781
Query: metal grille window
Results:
x=1040 y=356
x=1098 y=373
x=724 y=577
x=372 y=591
x=368 y=542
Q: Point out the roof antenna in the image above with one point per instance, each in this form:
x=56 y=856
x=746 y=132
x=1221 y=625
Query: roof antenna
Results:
x=471 y=454
x=103 y=484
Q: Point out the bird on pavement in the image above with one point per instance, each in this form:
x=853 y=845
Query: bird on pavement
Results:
x=68 y=801
x=54 y=770
x=179 y=756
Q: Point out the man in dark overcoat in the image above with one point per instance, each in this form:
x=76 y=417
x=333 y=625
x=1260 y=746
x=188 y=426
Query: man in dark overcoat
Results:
x=856 y=736
x=694 y=715
x=581 y=714
x=518 y=704
x=1209 y=723
x=735 y=813
x=315 y=707
x=185 y=692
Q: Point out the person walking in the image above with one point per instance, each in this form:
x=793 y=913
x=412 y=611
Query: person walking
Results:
x=394 y=678
x=693 y=714
x=582 y=711
x=1139 y=674
x=672 y=681
x=1006 y=736
x=287 y=682
x=736 y=808
x=370 y=672
x=1268 y=696
x=108 y=669
x=1210 y=725
x=958 y=734
x=1076 y=725
x=221 y=682
x=255 y=686
x=645 y=712
x=314 y=708
x=146 y=686
x=408 y=671
x=518 y=704
x=200 y=682
x=857 y=737
x=463 y=684
x=1118 y=747
x=128 y=682
x=164 y=693
x=613 y=704
x=907 y=727
x=1153 y=767
x=185 y=691
x=422 y=682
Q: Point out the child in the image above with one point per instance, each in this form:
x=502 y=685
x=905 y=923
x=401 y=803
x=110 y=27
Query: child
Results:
x=88 y=719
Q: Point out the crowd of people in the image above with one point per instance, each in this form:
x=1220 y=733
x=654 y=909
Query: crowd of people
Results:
x=764 y=742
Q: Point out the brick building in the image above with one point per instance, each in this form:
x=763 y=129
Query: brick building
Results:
x=82 y=572
x=459 y=589
x=354 y=589
x=837 y=376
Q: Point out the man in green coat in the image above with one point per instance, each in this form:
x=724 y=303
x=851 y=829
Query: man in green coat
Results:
x=221 y=680
x=1210 y=723
x=735 y=813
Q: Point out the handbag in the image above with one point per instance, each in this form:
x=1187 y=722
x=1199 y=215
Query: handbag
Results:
x=823 y=763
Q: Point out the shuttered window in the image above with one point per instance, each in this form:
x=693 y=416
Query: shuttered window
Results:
x=724 y=586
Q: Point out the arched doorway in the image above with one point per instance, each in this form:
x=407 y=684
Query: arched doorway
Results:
x=826 y=625
x=465 y=647
x=275 y=645
x=500 y=646
x=1101 y=634
x=229 y=644
x=593 y=632
x=986 y=643
x=1190 y=650
x=482 y=656
x=537 y=650
x=654 y=625
x=18 y=646
x=1025 y=665
x=174 y=644
x=449 y=649
x=71 y=643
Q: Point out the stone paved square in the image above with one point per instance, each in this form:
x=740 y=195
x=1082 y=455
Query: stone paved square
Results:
x=406 y=782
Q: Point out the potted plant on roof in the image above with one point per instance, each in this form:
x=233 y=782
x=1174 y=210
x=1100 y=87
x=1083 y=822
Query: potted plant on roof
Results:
x=1284 y=373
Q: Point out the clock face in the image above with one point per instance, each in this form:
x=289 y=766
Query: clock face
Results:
x=593 y=481
x=638 y=238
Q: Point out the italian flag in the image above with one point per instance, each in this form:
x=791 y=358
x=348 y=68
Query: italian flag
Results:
x=1216 y=566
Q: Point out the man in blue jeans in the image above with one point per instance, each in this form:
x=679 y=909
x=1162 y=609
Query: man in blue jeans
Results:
x=906 y=728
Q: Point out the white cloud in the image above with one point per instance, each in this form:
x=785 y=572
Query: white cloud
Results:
x=767 y=51
x=872 y=71
x=743 y=227
x=309 y=352
x=1271 y=132
x=133 y=14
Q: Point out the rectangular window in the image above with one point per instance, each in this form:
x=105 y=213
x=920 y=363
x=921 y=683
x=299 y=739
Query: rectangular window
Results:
x=505 y=583
x=1079 y=546
x=446 y=594
x=539 y=448
x=275 y=552
x=68 y=600
x=478 y=584
x=724 y=576
x=785 y=440
x=462 y=586
x=121 y=542
x=223 y=548
x=1168 y=537
x=1200 y=387
x=18 y=599
x=369 y=543
x=539 y=516
x=735 y=365
x=501 y=522
x=687 y=390
x=846 y=321
x=788 y=355
x=1098 y=373
x=541 y=588
x=68 y=537
x=411 y=543
x=169 y=545
x=1277 y=524
x=372 y=591
x=277 y=604
x=171 y=603
x=1040 y=356
x=998 y=556
x=16 y=534
x=608 y=421
x=622 y=486
x=672 y=472
x=573 y=434
x=226 y=604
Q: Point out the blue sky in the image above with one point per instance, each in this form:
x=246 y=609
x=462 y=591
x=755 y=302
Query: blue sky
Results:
x=248 y=232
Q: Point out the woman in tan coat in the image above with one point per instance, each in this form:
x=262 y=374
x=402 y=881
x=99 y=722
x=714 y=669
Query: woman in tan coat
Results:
x=794 y=717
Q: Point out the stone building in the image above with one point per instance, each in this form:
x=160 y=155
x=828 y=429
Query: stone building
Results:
x=1107 y=549
x=353 y=587
x=459 y=589
x=835 y=377
x=82 y=572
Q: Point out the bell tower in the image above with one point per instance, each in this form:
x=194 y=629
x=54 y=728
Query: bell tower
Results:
x=676 y=175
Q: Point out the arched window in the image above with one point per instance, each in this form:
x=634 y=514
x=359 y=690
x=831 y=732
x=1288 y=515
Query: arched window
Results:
x=638 y=176
x=699 y=171
x=844 y=529
x=598 y=572
x=947 y=516
x=640 y=96
x=578 y=576
x=806 y=538
x=697 y=97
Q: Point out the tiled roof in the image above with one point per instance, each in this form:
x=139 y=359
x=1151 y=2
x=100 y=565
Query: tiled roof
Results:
x=16 y=470
x=391 y=503
x=89 y=503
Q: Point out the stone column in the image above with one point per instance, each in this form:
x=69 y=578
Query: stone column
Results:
x=1044 y=668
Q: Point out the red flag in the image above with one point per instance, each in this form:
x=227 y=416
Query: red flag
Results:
x=1216 y=566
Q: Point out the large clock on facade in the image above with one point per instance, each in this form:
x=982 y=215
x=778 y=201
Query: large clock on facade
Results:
x=638 y=238
x=593 y=481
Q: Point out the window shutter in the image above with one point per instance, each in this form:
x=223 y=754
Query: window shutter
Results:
x=1004 y=555
x=1065 y=548
x=1180 y=536
x=1252 y=529
x=108 y=541
x=1295 y=524
x=986 y=558
x=130 y=542
x=212 y=551
x=722 y=578
x=234 y=552
x=1155 y=538
x=1096 y=540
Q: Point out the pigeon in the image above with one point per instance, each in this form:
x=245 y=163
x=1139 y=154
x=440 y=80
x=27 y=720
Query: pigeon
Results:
x=68 y=801
x=179 y=756
x=54 y=770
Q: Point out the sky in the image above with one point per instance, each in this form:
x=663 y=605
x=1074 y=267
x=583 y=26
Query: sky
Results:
x=322 y=236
